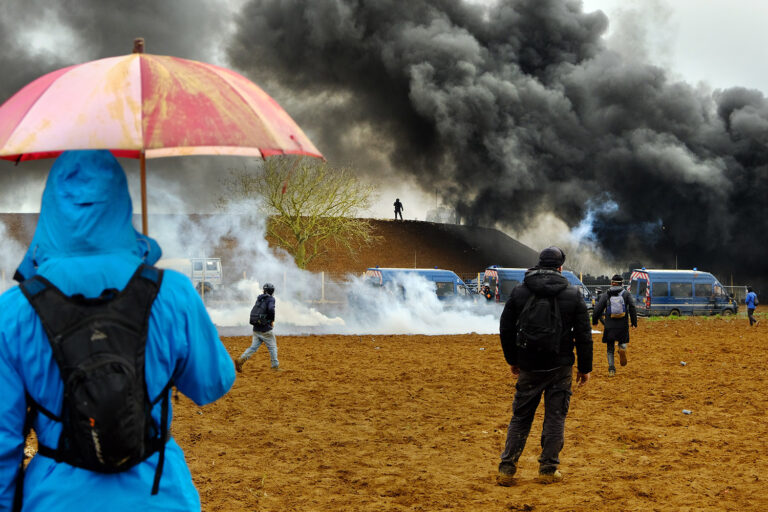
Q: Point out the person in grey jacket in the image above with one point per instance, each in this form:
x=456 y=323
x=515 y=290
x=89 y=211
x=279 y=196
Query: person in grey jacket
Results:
x=615 y=310
x=543 y=372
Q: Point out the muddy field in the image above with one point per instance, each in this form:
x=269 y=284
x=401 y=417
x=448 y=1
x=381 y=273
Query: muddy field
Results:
x=417 y=423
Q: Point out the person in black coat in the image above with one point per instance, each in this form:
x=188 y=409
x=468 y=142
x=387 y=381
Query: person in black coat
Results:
x=547 y=372
x=615 y=309
x=398 y=208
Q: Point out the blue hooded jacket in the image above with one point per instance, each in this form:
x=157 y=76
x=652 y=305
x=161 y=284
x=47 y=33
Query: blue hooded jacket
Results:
x=84 y=243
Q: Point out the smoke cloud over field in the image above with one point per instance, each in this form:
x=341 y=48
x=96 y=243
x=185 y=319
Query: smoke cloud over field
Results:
x=520 y=110
x=308 y=302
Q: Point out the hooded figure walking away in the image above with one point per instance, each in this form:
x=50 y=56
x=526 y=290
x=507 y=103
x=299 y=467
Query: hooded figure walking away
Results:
x=543 y=320
x=86 y=258
x=398 y=208
x=262 y=320
x=615 y=309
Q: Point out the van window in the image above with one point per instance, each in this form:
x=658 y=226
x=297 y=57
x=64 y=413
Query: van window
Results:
x=660 y=289
x=211 y=265
x=702 y=289
x=681 y=289
x=638 y=287
x=507 y=285
x=198 y=265
x=444 y=288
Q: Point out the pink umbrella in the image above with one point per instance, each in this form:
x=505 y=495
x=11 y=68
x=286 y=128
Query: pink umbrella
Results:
x=147 y=106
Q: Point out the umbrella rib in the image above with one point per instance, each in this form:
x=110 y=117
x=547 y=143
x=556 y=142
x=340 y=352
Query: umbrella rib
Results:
x=141 y=105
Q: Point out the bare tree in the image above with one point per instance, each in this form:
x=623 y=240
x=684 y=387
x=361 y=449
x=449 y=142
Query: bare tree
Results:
x=311 y=205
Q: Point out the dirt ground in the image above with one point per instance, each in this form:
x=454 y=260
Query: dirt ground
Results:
x=384 y=423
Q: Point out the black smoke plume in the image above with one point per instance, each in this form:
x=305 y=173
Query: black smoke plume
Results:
x=520 y=108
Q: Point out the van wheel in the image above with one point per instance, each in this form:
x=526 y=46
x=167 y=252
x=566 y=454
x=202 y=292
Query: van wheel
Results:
x=674 y=312
x=727 y=312
x=204 y=287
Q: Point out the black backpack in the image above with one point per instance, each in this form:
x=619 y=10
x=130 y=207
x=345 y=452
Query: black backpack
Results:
x=99 y=347
x=259 y=317
x=539 y=325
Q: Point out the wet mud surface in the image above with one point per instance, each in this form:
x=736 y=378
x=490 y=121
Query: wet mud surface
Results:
x=418 y=422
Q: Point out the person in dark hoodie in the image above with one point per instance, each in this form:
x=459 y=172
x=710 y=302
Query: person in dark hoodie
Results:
x=615 y=309
x=547 y=372
x=262 y=329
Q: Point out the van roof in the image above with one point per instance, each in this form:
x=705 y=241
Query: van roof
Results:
x=426 y=272
x=396 y=269
x=570 y=275
x=673 y=273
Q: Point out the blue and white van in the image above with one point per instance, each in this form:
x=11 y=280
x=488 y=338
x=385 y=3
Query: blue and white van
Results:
x=503 y=279
x=447 y=284
x=679 y=292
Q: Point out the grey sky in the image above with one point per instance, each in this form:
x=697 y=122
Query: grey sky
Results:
x=721 y=42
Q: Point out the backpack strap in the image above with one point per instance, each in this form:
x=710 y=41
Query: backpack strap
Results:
x=164 y=396
x=58 y=311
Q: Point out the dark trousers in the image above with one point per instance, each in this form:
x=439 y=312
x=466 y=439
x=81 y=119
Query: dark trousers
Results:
x=398 y=212
x=555 y=385
x=751 y=315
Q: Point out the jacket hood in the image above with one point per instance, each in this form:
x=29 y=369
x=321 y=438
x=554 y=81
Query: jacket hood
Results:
x=545 y=282
x=85 y=210
x=615 y=290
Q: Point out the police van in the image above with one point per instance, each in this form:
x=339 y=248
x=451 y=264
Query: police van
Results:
x=205 y=273
x=447 y=284
x=679 y=292
x=502 y=280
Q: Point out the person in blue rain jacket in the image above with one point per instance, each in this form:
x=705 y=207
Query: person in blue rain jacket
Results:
x=85 y=243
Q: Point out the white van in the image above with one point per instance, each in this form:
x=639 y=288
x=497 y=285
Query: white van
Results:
x=205 y=273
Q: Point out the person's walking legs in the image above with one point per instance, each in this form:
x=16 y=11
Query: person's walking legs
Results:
x=271 y=342
x=527 y=398
x=255 y=344
x=623 y=354
x=611 y=360
x=557 y=399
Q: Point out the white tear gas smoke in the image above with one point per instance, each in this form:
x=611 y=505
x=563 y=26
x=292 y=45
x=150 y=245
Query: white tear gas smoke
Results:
x=306 y=302
x=10 y=257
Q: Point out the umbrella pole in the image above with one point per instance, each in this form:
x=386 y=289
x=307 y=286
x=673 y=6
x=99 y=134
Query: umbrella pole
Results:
x=143 y=165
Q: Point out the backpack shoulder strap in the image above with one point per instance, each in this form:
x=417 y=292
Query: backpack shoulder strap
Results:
x=58 y=311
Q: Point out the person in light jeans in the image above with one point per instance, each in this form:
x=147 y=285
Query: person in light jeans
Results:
x=263 y=320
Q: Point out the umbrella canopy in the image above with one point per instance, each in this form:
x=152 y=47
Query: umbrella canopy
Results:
x=147 y=106
x=159 y=105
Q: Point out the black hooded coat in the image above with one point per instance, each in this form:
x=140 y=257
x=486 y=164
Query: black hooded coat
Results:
x=576 y=331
